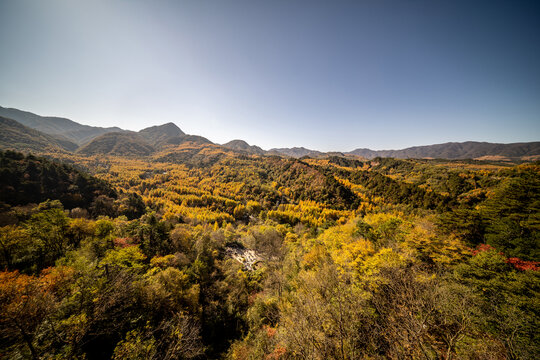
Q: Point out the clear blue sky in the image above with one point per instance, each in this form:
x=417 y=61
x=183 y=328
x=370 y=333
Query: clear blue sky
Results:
x=328 y=75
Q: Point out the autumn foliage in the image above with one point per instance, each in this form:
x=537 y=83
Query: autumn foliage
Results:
x=200 y=252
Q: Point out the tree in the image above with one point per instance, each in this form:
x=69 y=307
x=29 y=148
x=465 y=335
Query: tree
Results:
x=48 y=227
x=26 y=301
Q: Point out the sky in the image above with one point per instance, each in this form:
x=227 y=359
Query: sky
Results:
x=326 y=75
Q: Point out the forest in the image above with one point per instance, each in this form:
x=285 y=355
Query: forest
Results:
x=202 y=252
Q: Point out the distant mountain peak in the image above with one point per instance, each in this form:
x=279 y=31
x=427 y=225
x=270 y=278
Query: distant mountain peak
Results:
x=237 y=142
x=159 y=134
x=164 y=127
x=296 y=152
x=118 y=143
x=241 y=145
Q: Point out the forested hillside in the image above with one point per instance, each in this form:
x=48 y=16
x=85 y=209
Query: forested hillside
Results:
x=160 y=134
x=117 y=143
x=270 y=180
x=29 y=179
x=56 y=126
x=241 y=145
x=15 y=136
x=202 y=252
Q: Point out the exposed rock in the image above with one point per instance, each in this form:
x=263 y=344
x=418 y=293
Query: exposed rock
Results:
x=247 y=257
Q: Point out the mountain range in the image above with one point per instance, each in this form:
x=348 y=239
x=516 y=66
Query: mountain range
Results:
x=56 y=126
x=14 y=135
x=22 y=130
x=457 y=150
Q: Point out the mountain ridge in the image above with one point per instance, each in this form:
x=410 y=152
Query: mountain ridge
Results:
x=456 y=151
x=159 y=134
x=57 y=126
x=118 y=143
x=68 y=135
x=241 y=145
x=16 y=136
x=296 y=152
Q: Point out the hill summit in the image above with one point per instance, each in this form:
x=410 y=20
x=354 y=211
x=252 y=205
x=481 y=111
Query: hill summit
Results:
x=117 y=143
x=160 y=133
x=241 y=145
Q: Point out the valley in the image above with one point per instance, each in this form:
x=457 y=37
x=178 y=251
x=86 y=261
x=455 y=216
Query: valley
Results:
x=162 y=245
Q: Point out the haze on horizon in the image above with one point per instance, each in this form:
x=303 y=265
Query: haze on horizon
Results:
x=326 y=75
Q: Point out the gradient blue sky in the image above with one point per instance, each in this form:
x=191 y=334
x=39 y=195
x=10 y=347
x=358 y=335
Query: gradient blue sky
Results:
x=328 y=75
